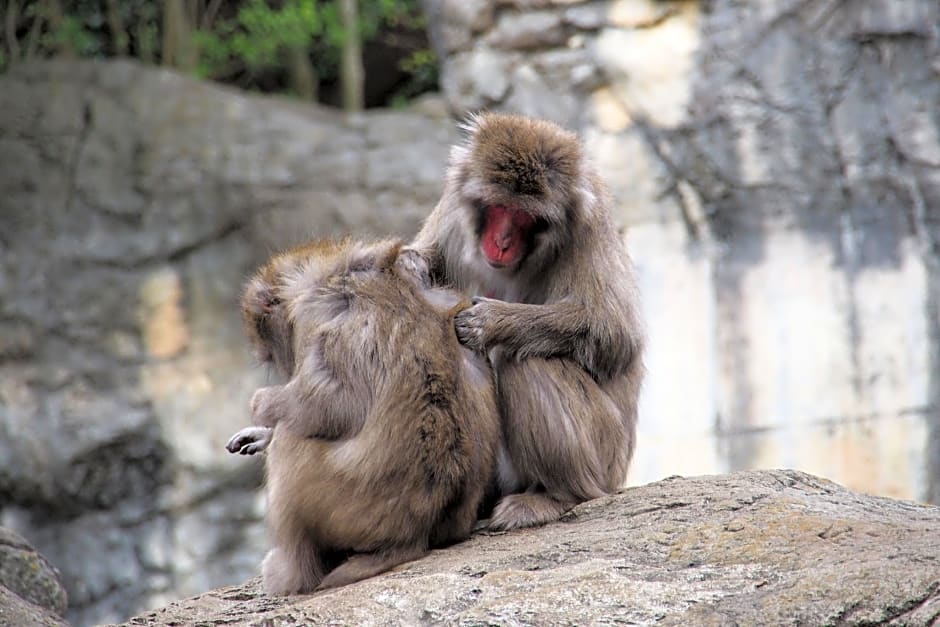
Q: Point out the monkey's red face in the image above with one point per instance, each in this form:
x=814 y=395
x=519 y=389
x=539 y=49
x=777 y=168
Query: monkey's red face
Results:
x=506 y=235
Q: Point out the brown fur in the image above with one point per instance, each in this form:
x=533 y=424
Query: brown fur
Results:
x=384 y=437
x=565 y=336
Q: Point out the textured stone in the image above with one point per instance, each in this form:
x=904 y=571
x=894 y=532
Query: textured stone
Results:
x=528 y=30
x=28 y=575
x=770 y=547
x=453 y=23
x=765 y=159
x=531 y=92
x=16 y=611
x=477 y=79
x=650 y=69
x=135 y=202
x=639 y=13
x=590 y=16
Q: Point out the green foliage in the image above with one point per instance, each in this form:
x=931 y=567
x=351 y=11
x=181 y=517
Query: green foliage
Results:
x=422 y=68
x=244 y=42
x=72 y=35
x=257 y=35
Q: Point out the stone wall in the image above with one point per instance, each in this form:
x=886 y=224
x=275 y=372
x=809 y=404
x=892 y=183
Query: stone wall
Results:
x=777 y=168
x=134 y=204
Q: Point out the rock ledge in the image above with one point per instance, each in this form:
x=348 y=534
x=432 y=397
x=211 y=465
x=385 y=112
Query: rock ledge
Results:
x=758 y=547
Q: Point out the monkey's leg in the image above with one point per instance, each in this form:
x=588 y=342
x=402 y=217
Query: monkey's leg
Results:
x=308 y=411
x=564 y=435
x=292 y=568
x=295 y=564
x=459 y=520
x=364 y=565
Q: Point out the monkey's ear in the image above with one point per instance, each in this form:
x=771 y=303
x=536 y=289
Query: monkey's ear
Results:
x=259 y=298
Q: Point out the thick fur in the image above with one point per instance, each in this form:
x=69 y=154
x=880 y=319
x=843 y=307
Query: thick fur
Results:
x=385 y=435
x=562 y=328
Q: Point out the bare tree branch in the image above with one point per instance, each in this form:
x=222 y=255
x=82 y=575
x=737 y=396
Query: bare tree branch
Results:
x=351 y=70
x=9 y=22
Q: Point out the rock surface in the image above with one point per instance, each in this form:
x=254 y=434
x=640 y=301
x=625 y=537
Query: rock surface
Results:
x=134 y=204
x=30 y=590
x=750 y=548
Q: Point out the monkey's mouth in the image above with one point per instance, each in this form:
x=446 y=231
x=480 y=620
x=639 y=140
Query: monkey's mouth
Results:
x=504 y=236
x=502 y=259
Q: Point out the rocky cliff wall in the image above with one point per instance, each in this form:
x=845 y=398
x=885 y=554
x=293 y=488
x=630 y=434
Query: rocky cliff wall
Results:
x=134 y=204
x=777 y=168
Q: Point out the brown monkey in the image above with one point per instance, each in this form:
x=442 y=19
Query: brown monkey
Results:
x=383 y=441
x=525 y=222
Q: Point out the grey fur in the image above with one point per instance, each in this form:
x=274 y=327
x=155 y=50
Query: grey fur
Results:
x=383 y=441
x=562 y=327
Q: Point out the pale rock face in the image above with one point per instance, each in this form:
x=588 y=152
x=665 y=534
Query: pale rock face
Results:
x=777 y=181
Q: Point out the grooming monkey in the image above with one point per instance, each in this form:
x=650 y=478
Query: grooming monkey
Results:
x=524 y=222
x=383 y=441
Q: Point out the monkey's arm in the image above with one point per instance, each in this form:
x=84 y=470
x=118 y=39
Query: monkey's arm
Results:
x=603 y=343
x=308 y=409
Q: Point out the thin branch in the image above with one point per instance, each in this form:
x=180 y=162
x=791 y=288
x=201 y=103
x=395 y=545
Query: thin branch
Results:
x=351 y=70
x=32 y=40
x=10 y=21
x=209 y=15
x=116 y=25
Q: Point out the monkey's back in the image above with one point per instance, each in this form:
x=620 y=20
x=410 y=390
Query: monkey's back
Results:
x=434 y=417
x=427 y=441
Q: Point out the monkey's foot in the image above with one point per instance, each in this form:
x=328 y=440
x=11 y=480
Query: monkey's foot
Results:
x=250 y=440
x=295 y=570
x=526 y=510
x=364 y=565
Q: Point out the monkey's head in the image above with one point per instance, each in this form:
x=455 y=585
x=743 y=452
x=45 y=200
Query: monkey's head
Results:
x=519 y=178
x=265 y=312
x=283 y=293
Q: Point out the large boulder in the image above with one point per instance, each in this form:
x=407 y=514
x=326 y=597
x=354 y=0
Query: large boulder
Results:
x=750 y=548
x=30 y=590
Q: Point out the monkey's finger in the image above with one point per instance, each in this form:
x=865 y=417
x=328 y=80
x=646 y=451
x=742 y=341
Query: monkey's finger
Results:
x=469 y=335
x=245 y=436
x=235 y=444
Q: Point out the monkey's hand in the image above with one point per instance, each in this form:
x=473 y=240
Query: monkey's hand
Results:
x=250 y=440
x=474 y=324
